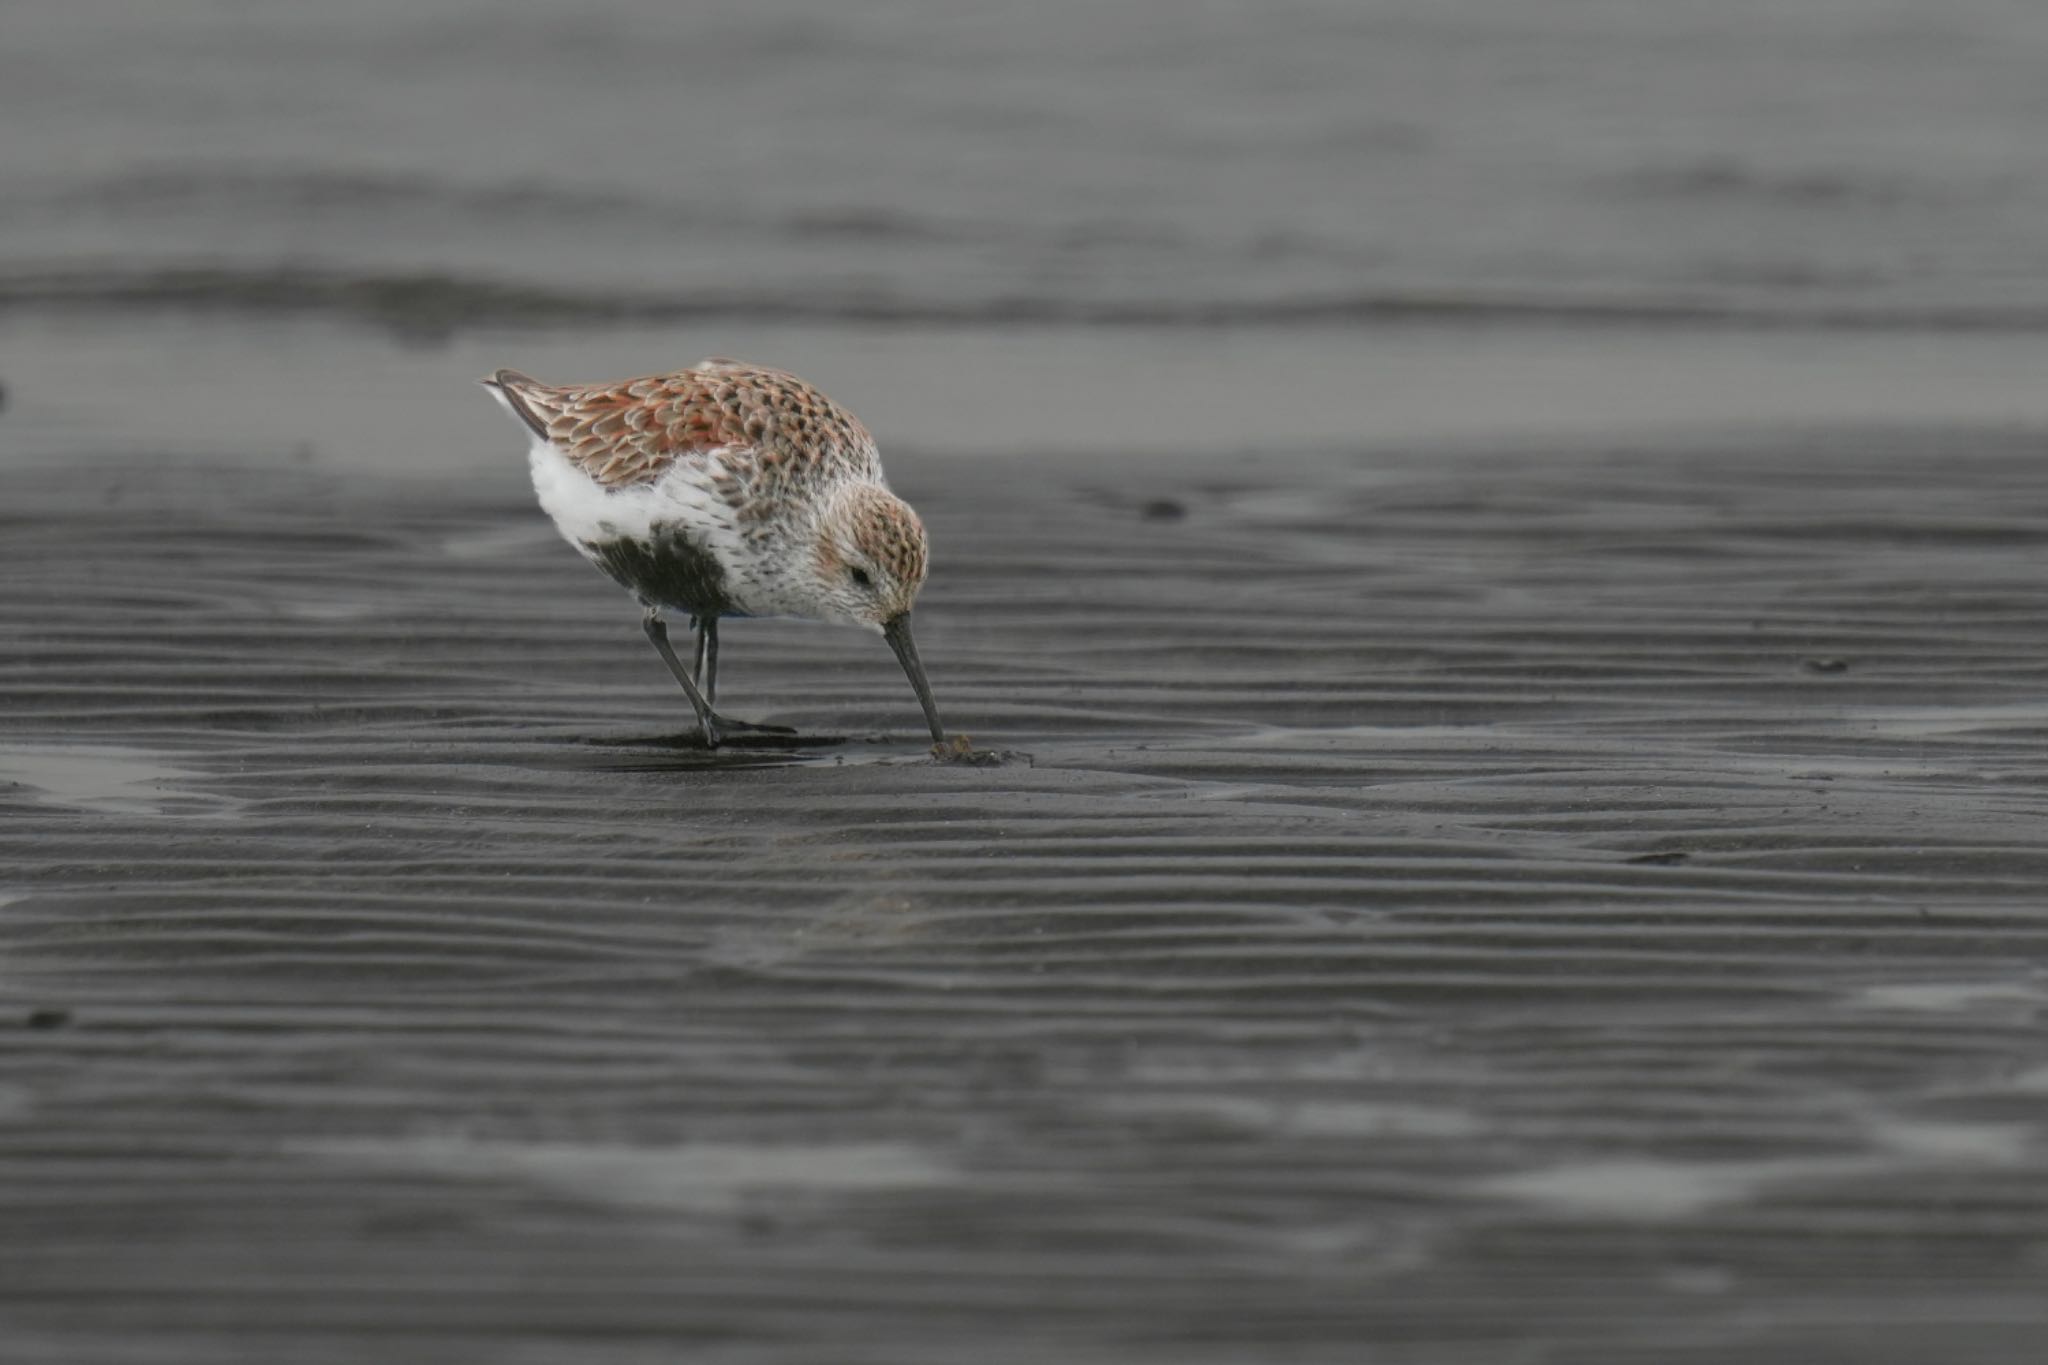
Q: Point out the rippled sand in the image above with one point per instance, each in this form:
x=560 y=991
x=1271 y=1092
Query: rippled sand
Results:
x=1579 y=905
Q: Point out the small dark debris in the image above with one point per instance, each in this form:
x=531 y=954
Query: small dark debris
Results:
x=1164 y=509
x=1826 y=665
x=48 y=1019
x=1669 y=858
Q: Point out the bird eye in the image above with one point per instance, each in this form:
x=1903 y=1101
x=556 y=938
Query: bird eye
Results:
x=861 y=579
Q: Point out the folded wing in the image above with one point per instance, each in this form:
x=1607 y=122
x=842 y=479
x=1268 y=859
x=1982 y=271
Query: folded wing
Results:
x=767 y=430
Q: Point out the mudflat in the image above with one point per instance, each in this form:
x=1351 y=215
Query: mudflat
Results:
x=1578 y=904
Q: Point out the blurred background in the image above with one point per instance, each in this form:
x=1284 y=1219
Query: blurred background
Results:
x=294 y=228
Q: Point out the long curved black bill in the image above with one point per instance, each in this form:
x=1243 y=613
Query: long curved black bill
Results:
x=896 y=630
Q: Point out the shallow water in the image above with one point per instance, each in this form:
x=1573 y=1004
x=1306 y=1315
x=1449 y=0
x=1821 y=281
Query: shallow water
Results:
x=339 y=399
x=102 y=778
x=701 y=1177
x=1281 y=162
x=298 y=233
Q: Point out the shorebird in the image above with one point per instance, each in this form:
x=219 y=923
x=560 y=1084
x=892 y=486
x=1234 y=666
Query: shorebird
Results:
x=724 y=490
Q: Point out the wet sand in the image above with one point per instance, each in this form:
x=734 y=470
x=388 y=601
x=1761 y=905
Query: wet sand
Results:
x=1576 y=905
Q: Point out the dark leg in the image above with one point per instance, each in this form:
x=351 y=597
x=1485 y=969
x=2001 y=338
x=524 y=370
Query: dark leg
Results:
x=707 y=657
x=714 y=726
x=657 y=634
x=697 y=663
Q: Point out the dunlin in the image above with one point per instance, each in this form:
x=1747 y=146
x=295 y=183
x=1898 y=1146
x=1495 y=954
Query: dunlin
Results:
x=726 y=490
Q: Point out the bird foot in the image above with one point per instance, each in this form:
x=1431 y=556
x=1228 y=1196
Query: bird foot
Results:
x=718 y=729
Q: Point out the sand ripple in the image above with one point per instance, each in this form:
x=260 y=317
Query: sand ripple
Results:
x=1471 y=902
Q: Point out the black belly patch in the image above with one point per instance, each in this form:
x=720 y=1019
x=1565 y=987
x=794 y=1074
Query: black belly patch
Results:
x=668 y=571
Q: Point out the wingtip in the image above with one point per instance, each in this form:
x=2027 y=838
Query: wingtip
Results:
x=512 y=389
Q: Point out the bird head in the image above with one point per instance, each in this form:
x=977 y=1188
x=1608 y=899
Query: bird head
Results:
x=868 y=563
x=869 y=557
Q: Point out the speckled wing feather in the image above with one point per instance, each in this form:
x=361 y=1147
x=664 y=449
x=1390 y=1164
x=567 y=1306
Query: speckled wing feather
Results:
x=761 y=433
